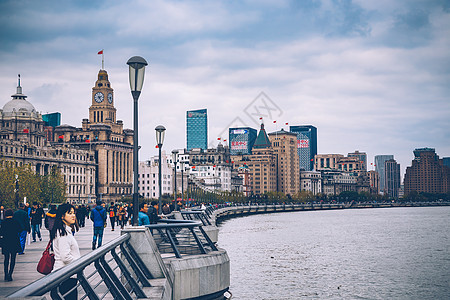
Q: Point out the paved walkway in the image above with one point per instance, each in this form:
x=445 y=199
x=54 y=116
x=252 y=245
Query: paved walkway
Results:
x=25 y=269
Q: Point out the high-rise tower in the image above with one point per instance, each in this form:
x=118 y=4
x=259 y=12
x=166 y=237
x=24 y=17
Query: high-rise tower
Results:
x=197 y=129
x=380 y=169
x=306 y=145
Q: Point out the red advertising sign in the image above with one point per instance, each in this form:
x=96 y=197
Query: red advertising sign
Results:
x=302 y=143
x=239 y=145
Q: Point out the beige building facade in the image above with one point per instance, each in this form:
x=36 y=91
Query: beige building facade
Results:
x=284 y=145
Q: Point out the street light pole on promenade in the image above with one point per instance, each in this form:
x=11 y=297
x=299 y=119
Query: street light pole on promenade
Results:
x=160 y=130
x=136 y=74
x=174 y=158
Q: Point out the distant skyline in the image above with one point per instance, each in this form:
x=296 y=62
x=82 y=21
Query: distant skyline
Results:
x=371 y=76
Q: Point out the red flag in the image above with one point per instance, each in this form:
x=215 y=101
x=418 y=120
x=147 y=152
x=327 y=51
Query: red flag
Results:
x=260 y=118
x=61 y=136
x=274 y=121
x=26 y=130
x=218 y=139
x=156 y=146
x=214 y=166
x=87 y=141
x=287 y=123
x=100 y=52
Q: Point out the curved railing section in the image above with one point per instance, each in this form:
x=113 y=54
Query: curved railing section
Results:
x=181 y=237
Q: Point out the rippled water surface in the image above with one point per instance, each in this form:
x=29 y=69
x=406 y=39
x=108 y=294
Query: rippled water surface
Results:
x=393 y=253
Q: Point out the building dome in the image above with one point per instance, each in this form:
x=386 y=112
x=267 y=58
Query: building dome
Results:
x=19 y=106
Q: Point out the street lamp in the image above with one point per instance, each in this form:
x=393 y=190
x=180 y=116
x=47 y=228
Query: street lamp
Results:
x=16 y=190
x=174 y=159
x=160 y=130
x=136 y=74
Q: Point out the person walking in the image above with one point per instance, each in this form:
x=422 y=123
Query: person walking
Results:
x=65 y=247
x=21 y=216
x=121 y=215
x=2 y=214
x=112 y=215
x=50 y=217
x=81 y=215
x=143 y=218
x=36 y=221
x=10 y=230
x=98 y=216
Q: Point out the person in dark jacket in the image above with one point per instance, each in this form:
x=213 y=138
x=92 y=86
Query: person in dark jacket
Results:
x=36 y=220
x=21 y=216
x=10 y=231
x=50 y=217
x=81 y=215
x=98 y=216
x=153 y=213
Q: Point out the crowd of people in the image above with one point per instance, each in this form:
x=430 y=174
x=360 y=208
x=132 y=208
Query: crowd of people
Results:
x=62 y=222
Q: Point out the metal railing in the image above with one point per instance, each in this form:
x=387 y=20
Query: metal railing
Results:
x=194 y=215
x=175 y=238
x=111 y=271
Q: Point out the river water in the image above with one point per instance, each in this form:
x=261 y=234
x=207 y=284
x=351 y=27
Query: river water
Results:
x=384 y=253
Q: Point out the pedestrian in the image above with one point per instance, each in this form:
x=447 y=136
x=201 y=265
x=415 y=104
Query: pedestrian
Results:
x=65 y=247
x=121 y=215
x=152 y=213
x=166 y=209
x=2 y=214
x=112 y=215
x=143 y=218
x=10 y=230
x=21 y=216
x=50 y=217
x=98 y=216
x=36 y=221
x=81 y=215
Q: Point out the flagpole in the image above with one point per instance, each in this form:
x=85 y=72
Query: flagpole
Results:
x=103 y=61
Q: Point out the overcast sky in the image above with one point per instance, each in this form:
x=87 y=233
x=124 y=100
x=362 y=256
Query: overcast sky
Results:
x=372 y=76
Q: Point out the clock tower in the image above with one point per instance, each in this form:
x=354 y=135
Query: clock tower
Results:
x=106 y=139
x=102 y=109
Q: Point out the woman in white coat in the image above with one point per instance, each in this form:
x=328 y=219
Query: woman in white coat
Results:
x=65 y=246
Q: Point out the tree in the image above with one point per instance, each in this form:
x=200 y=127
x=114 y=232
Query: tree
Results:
x=53 y=187
x=28 y=184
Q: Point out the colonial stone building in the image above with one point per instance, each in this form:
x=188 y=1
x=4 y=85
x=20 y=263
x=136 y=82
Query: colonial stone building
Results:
x=23 y=140
x=103 y=134
x=261 y=164
x=284 y=145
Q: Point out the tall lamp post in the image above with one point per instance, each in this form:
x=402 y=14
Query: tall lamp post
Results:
x=16 y=190
x=174 y=159
x=136 y=74
x=160 y=131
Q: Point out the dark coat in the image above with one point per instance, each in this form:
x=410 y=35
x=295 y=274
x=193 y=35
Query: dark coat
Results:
x=10 y=231
x=22 y=217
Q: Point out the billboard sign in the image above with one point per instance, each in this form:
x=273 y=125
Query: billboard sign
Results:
x=304 y=143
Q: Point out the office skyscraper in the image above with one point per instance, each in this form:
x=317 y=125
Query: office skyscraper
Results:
x=392 y=177
x=306 y=145
x=241 y=140
x=196 y=129
x=379 y=167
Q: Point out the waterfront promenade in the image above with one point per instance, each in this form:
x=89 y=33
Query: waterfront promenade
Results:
x=25 y=269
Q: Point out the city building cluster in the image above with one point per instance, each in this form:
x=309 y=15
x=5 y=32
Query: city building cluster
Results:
x=96 y=159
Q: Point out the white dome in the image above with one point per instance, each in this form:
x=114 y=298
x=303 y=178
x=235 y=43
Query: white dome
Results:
x=18 y=105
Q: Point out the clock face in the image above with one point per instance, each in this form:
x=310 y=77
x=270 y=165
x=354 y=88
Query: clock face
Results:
x=110 y=98
x=99 y=97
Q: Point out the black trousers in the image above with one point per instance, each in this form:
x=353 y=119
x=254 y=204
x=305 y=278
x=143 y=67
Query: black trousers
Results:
x=9 y=263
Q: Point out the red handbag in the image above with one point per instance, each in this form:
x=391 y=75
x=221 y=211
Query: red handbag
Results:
x=45 y=265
